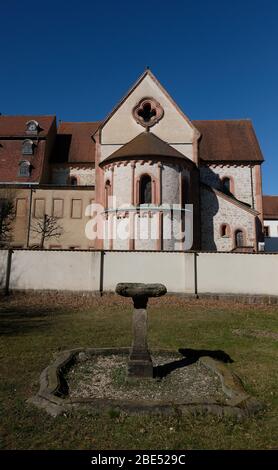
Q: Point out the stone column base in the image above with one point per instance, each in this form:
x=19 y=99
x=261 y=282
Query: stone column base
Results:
x=140 y=369
x=140 y=364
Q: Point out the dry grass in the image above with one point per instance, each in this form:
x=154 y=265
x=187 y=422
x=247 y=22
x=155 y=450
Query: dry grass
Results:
x=34 y=327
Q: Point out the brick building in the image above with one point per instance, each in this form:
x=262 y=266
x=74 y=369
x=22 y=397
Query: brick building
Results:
x=146 y=154
x=270 y=211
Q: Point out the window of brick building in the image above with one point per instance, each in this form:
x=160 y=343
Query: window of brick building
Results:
x=76 y=209
x=92 y=212
x=58 y=208
x=27 y=147
x=39 y=208
x=21 y=206
x=32 y=127
x=266 y=231
x=24 y=169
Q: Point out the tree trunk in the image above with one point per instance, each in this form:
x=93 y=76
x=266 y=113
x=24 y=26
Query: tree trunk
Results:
x=43 y=231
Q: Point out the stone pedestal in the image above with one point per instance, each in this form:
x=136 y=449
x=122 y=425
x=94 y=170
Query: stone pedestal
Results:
x=140 y=362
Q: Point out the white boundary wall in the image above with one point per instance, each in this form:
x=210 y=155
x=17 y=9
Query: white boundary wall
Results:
x=237 y=273
x=55 y=270
x=170 y=269
x=216 y=273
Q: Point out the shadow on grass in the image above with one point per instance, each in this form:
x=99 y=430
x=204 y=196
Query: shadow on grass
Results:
x=16 y=319
x=191 y=356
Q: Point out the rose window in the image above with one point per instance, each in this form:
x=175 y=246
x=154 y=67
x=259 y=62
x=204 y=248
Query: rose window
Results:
x=148 y=112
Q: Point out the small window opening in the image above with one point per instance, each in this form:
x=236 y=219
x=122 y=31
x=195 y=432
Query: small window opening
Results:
x=146 y=190
x=239 y=238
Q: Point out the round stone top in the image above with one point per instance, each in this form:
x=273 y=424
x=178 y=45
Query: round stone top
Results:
x=133 y=289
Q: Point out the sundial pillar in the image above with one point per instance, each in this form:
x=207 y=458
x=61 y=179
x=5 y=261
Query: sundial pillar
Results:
x=140 y=362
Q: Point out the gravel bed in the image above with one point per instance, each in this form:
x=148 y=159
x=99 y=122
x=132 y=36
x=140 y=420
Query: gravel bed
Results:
x=105 y=377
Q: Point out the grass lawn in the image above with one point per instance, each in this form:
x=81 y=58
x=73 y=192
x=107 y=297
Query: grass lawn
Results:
x=33 y=328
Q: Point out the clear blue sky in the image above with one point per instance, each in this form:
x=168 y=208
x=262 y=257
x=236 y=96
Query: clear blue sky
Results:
x=76 y=59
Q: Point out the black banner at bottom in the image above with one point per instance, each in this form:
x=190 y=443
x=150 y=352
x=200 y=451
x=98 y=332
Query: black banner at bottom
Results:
x=128 y=459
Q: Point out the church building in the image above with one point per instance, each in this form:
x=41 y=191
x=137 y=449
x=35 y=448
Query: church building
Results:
x=144 y=165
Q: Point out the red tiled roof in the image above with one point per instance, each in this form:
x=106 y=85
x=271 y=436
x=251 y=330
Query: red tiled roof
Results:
x=74 y=142
x=14 y=126
x=221 y=141
x=228 y=141
x=270 y=207
x=12 y=135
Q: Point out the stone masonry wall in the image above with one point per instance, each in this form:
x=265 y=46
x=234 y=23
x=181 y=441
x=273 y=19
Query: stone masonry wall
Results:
x=122 y=184
x=170 y=184
x=85 y=176
x=215 y=211
x=241 y=175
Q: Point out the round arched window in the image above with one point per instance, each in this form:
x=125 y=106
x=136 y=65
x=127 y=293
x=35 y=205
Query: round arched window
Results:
x=24 y=168
x=239 y=238
x=32 y=127
x=108 y=193
x=145 y=190
x=226 y=183
x=225 y=230
x=27 y=147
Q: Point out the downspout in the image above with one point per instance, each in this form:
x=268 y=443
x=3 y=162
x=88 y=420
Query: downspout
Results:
x=252 y=186
x=253 y=207
x=29 y=218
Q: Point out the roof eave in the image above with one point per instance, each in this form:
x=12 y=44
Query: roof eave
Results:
x=231 y=199
x=270 y=217
x=197 y=133
x=158 y=157
x=232 y=161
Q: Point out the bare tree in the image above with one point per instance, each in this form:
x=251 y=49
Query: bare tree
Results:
x=47 y=228
x=7 y=215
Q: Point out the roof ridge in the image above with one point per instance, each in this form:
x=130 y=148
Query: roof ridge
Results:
x=223 y=120
x=79 y=122
x=26 y=115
